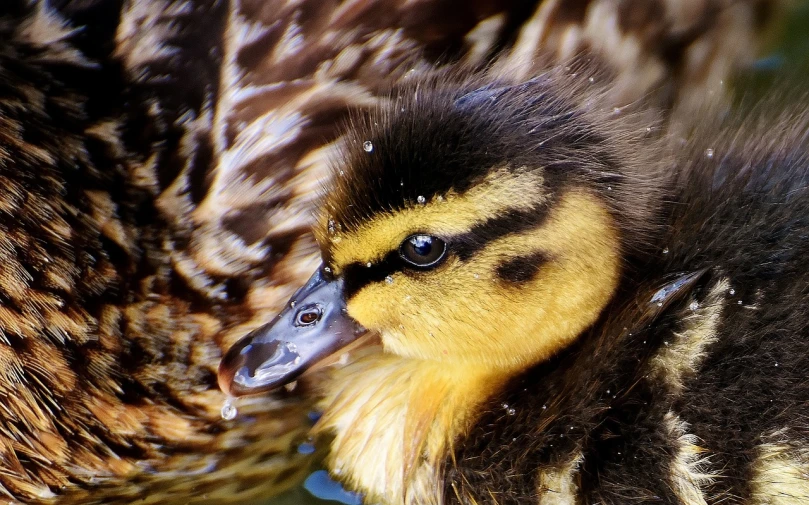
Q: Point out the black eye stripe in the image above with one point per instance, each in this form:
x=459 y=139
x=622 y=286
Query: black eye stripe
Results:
x=511 y=222
x=358 y=275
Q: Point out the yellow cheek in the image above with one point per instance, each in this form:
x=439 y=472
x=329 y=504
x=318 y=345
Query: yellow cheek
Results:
x=463 y=312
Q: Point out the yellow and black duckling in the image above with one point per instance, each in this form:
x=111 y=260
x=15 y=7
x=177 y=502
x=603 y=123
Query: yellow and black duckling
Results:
x=570 y=309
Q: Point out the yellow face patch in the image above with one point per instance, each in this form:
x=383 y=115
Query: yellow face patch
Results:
x=464 y=311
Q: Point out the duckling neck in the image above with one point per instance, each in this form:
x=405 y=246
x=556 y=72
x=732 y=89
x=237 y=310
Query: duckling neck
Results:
x=393 y=419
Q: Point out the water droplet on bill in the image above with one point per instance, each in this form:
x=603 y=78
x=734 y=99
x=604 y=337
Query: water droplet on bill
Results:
x=229 y=412
x=421 y=199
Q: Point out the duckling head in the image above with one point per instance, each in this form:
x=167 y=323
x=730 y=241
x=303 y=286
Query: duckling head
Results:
x=479 y=226
x=477 y=230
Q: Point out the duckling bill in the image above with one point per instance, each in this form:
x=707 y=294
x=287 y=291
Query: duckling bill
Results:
x=571 y=309
x=313 y=326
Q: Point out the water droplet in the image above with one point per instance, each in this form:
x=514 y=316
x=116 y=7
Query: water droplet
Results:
x=342 y=173
x=544 y=407
x=511 y=411
x=327 y=270
x=609 y=188
x=694 y=305
x=368 y=146
x=666 y=250
x=476 y=276
x=293 y=303
x=732 y=291
x=666 y=343
x=291 y=347
x=659 y=304
x=739 y=302
x=229 y=412
x=306 y=448
x=296 y=361
x=331 y=226
x=591 y=79
x=776 y=363
x=368 y=265
x=401 y=183
x=389 y=279
x=608 y=391
x=421 y=199
x=709 y=153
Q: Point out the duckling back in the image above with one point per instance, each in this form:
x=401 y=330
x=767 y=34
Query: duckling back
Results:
x=690 y=388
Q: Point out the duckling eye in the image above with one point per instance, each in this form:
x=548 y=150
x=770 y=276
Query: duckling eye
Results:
x=423 y=251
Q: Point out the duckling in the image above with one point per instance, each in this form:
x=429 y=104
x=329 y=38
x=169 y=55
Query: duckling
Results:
x=569 y=308
x=151 y=219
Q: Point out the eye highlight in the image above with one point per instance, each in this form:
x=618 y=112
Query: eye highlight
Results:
x=423 y=251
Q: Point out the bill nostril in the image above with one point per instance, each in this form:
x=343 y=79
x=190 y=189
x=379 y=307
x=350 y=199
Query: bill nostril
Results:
x=308 y=316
